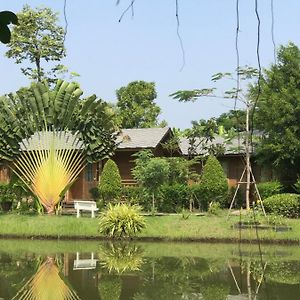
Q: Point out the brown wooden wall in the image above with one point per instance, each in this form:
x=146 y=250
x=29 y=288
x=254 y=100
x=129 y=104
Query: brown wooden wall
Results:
x=86 y=180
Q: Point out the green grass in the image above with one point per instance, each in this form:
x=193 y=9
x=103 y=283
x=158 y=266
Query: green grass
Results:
x=171 y=227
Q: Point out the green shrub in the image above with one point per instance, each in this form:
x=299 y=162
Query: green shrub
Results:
x=213 y=185
x=110 y=185
x=214 y=208
x=7 y=196
x=173 y=198
x=180 y=169
x=95 y=193
x=132 y=194
x=268 y=189
x=296 y=186
x=121 y=220
x=286 y=205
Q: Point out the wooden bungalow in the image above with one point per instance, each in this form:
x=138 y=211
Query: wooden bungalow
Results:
x=130 y=141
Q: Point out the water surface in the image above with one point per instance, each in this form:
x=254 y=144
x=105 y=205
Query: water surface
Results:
x=92 y=270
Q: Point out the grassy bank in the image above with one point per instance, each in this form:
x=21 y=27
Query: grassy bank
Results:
x=210 y=228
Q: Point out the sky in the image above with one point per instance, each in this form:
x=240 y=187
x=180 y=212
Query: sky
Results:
x=109 y=54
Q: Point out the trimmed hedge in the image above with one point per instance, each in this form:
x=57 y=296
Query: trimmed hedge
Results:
x=110 y=185
x=286 y=205
x=268 y=189
x=213 y=184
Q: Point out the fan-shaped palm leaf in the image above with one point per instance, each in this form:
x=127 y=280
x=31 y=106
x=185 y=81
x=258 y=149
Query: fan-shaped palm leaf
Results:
x=36 y=126
x=46 y=284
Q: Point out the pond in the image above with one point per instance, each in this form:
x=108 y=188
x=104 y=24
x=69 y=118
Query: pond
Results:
x=100 y=270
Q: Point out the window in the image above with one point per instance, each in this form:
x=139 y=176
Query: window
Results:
x=89 y=172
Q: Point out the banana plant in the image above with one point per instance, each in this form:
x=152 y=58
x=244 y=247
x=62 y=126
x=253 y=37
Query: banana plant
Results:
x=48 y=136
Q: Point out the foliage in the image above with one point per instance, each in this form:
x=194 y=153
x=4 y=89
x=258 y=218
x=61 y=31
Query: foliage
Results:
x=6 y=18
x=133 y=195
x=121 y=220
x=201 y=136
x=278 y=113
x=153 y=174
x=195 y=196
x=172 y=144
x=110 y=185
x=136 y=105
x=7 y=193
x=173 y=198
x=110 y=287
x=213 y=291
x=95 y=193
x=45 y=130
x=38 y=108
x=37 y=38
x=268 y=189
x=296 y=186
x=213 y=185
x=214 y=208
x=286 y=205
x=150 y=172
x=233 y=119
x=185 y=214
x=180 y=169
x=276 y=220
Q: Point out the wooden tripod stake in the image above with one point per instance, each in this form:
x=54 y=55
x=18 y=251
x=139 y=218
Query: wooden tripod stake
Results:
x=250 y=179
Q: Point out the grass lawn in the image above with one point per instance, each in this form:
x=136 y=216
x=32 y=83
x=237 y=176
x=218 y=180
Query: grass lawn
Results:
x=171 y=227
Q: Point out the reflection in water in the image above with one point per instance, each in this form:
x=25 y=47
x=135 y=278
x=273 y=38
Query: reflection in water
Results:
x=151 y=271
x=121 y=257
x=46 y=284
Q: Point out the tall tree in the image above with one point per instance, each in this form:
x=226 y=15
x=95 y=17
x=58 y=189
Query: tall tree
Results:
x=136 y=105
x=37 y=39
x=233 y=119
x=278 y=112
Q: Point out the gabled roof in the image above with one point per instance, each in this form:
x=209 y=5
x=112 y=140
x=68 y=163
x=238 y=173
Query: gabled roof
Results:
x=234 y=146
x=139 y=138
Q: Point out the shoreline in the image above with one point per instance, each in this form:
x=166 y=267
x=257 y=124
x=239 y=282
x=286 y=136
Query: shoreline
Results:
x=208 y=240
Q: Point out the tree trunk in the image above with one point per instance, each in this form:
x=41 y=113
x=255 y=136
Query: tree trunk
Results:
x=153 y=203
x=247 y=150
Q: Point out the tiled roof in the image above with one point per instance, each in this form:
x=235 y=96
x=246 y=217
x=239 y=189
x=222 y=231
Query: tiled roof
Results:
x=234 y=146
x=137 y=138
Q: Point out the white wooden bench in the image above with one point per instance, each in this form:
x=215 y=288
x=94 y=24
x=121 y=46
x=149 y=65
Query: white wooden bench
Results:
x=85 y=205
x=84 y=264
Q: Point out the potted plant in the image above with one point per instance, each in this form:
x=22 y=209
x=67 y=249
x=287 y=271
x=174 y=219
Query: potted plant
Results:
x=7 y=196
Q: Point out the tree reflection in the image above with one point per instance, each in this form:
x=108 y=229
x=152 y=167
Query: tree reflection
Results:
x=46 y=284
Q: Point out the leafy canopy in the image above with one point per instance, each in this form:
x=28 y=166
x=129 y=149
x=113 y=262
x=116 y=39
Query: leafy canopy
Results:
x=136 y=106
x=37 y=39
x=278 y=112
